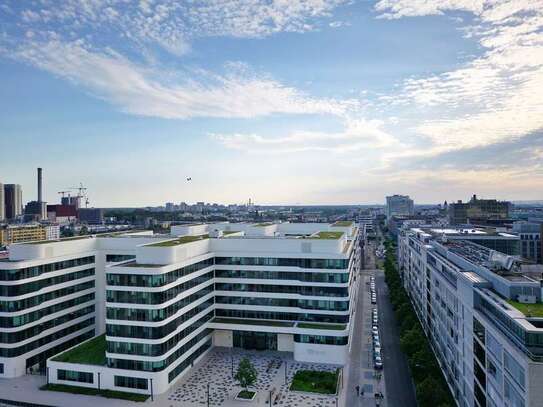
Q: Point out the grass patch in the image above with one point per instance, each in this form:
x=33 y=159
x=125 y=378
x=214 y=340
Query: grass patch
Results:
x=178 y=241
x=315 y=382
x=92 y=352
x=530 y=310
x=326 y=235
x=343 y=223
x=246 y=394
x=110 y=394
x=229 y=232
x=252 y=322
x=263 y=224
x=307 y=325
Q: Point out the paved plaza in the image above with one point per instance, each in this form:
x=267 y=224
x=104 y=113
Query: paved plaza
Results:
x=216 y=369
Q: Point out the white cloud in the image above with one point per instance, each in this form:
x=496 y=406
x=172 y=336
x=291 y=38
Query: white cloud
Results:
x=491 y=98
x=358 y=134
x=148 y=91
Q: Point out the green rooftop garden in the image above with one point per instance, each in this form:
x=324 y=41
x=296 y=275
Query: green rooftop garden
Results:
x=263 y=224
x=315 y=381
x=310 y=325
x=229 y=232
x=326 y=235
x=252 y=322
x=92 y=352
x=530 y=310
x=343 y=223
x=179 y=240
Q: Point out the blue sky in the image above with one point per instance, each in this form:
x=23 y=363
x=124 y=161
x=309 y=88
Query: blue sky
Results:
x=308 y=101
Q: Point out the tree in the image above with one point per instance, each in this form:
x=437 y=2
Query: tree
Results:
x=431 y=393
x=411 y=341
x=246 y=374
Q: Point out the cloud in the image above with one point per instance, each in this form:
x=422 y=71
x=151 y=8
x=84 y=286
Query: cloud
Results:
x=148 y=91
x=358 y=134
x=491 y=98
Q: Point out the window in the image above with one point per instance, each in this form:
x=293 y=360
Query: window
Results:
x=73 y=376
x=132 y=382
x=1 y=368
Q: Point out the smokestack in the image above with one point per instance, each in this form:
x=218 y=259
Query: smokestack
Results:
x=39 y=186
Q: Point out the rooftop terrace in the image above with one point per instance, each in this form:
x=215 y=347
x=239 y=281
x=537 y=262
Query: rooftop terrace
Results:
x=326 y=235
x=530 y=310
x=343 y=223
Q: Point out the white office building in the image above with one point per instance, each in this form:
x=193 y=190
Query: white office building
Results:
x=159 y=303
x=482 y=312
x=399 y=205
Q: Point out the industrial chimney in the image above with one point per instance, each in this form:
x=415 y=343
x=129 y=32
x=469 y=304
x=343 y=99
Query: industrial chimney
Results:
x=39 y=186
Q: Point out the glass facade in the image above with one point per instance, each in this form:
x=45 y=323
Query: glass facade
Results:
x=322 y=340
x=28 y=272
x=284 y=262
x=188 y=361
x=19 y=305
x=285 y=289
x=132 y=382
x=282 y=316
x=284 y=302
x=27 y=288
x=133 y=280
x=313 y=277
x=139 y=297
x=73 y=376
x=135 y=314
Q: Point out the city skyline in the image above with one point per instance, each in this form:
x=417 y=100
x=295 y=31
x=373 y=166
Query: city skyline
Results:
x=311 y=102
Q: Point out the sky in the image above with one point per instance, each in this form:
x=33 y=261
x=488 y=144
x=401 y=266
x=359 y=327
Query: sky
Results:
x=280 y=101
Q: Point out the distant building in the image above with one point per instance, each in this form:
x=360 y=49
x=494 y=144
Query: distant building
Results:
x=92 y=216
x=478 y=209
x=399 y=205
x=2 y=204
x=531 y=245
x=63 y=214
x=26 y=233
x=35 y=210
x=13 y=199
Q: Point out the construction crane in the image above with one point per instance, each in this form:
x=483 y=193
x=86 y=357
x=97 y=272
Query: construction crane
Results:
x=81 y=193
x=64 y=193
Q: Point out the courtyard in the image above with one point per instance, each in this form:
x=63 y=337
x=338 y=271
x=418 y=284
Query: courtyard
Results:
x=216 y=370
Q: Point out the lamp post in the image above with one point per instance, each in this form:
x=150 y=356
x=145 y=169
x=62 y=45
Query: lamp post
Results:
x=285 y=372
x=152 y=396
x=207 y=394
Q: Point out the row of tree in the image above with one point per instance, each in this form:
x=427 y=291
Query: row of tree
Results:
x=431 y=388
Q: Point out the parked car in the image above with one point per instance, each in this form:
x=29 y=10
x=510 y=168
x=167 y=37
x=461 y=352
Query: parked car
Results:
x=376 y=342
x=375 y=320
x=378 y=364
x=373 y=300
x=375 y=330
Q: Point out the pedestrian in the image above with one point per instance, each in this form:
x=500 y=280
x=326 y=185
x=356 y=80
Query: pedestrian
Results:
x=358 y=390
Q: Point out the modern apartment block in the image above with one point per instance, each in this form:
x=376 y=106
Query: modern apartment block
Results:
x=482 y=312
x=158 y=303
x=400 y=205
x=28 y=232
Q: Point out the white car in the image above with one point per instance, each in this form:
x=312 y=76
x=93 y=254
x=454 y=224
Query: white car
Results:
x=375 y=330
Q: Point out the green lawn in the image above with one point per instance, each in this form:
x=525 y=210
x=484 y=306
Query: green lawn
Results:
x=178 y=241
x=309 y=325
x=263 y=224
x=110 y=394
x=92 y=352
x=252 y=322
x=530 y=310
x=246 y=394
x=229 y=232
x=343 y=223
x=326 y=235
x=315 y=382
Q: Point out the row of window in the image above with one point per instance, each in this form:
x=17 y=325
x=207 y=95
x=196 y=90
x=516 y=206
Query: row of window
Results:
x=73 y=376
x=13 y=322
x=322 y=305
x=19 y=305
x=133 y=280
x=114 y=258
x=315 y=277
x=146 y=349
x=284 y=262
x=13 y=352
x=282 y=316
x=14 y=337
x=28 y=272
x=140 y=383
x=22 y=289
x=285 y=289
x=160 y=365
x=146 y=297
x=149 y=332
x=135 y=314
x=322 y=340
x=188 y=361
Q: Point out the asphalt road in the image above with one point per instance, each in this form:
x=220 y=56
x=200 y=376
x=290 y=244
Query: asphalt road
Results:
x=398 y=383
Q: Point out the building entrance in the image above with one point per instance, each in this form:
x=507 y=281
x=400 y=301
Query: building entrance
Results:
x=255 y=340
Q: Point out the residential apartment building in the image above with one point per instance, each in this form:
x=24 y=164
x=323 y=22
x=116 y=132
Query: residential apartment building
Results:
x=399 y=205
x=481 y=312
x=163 y=301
